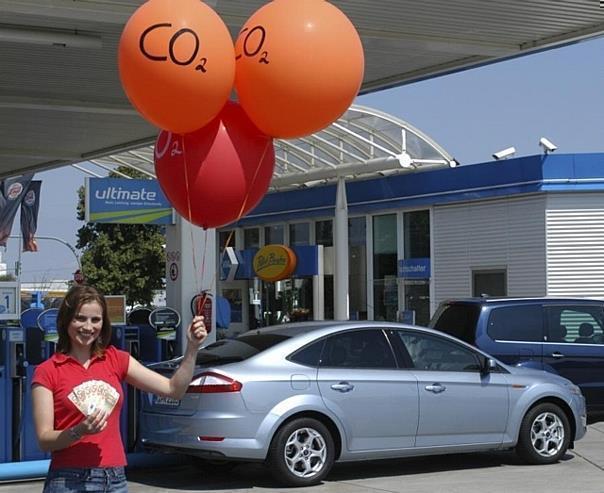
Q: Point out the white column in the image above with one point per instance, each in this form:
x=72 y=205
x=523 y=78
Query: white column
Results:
x=340 y=230
x=190 y=268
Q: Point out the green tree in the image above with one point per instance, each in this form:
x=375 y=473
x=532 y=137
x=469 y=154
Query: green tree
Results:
x=122 y=258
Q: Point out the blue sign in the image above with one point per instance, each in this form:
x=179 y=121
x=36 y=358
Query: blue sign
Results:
x=123 y=201
x=229 y=264
x=414 y=268
x=407 y=317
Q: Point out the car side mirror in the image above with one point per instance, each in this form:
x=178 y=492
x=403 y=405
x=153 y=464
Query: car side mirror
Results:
x=489 y=365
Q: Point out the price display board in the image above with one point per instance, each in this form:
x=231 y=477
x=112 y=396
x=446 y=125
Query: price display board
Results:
x=10 y=301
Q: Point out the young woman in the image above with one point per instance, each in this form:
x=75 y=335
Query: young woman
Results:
x=77 y=395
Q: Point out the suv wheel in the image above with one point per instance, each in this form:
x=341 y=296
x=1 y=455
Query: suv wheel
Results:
x=301 y=452
x=544 y=435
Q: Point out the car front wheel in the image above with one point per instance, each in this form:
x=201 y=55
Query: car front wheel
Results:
x=544 y=434
x=301 y=452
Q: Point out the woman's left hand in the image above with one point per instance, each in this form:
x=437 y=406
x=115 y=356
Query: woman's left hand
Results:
x=197 y=332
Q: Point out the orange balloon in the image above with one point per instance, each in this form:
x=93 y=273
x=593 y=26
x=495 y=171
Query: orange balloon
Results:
x=176 y=63
x=300 y=65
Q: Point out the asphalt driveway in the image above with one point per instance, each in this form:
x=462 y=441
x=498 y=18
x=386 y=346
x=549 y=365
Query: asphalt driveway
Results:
x=581 y=471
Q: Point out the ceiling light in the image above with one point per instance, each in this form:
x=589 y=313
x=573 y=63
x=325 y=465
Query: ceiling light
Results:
x=63 y=38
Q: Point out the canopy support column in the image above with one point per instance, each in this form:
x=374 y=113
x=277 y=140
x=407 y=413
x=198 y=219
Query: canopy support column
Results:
x=341 y=252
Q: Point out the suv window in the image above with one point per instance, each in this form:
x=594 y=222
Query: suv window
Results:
x=575 y=324
x=457 y=319
x=516 y=323
x=358 y=349
x=232 y=350
x=436 y=354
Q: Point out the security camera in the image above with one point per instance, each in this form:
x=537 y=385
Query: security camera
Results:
x=547 y=145
x=505 y=153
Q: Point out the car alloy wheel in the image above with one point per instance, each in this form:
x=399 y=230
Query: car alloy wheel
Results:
x=301 y=453
x=305 y=452
x=544 y=434
x=547 y=434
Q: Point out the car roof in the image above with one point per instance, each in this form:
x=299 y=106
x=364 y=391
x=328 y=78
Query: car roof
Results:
x=328 y=326
x=510 y=300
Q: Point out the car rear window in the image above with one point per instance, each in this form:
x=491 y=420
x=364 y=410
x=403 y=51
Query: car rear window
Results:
x=458 y=320
x=233 y=350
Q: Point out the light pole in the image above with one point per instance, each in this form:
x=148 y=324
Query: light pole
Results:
x=54 y=238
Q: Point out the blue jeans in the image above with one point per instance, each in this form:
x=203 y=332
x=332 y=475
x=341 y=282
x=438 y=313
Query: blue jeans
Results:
x=76 y=480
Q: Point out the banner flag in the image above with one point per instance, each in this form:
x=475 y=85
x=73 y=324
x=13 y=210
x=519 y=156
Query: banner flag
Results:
x=13 y=190
x=29 y=216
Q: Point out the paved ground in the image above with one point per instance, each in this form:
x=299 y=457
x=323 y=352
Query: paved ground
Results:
x=581 y=471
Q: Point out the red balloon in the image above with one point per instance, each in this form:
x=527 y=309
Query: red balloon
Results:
x=176 y=63
x=217 y=174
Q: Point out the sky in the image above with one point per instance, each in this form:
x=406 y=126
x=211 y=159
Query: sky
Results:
x=557 y=94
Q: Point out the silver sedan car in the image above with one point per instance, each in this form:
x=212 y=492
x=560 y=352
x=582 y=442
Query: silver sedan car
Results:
x=303 y=395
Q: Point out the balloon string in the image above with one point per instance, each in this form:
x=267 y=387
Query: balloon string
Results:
x=199 y=306
x=247 y=195
x=239 y=215
x=190 y=214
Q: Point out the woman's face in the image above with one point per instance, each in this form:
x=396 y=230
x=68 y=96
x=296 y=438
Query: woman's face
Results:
x=86 y=325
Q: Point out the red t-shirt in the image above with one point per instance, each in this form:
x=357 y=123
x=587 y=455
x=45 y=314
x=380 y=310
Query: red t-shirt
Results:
x=60 y=374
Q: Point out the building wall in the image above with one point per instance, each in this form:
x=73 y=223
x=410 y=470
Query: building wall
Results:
x=575 y=244
x=506 y=233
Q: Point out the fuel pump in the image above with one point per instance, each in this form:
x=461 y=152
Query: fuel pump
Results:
x=126 y=337
x=26 y=351
x=166 y=322
x=150 y=346
x=5 y=402
x=17 y=368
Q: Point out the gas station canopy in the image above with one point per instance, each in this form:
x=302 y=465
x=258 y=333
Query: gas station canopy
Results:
x=361 y=143
x=62 y=103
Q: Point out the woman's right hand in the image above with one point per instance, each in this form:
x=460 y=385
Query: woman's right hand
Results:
x=95 y=422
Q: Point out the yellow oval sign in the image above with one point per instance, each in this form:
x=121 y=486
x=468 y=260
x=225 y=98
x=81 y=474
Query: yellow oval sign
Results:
x=274 y=262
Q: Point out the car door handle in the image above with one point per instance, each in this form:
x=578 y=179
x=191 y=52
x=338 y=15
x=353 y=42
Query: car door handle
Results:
x=557 y=354
x=437 y=388
x=342 y=387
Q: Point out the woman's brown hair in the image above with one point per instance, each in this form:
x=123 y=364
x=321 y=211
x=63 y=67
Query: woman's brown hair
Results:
x=77 y=296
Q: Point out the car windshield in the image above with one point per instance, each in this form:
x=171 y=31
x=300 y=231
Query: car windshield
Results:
x=457 y=319
x=232 y=350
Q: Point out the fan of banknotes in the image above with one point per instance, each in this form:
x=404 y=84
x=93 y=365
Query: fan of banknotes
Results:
x=92 y=395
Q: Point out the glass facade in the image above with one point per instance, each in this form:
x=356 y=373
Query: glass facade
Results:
x=324 y=233
x=324 y=236
x=416 y=241
x=299 y=234
x=225 y=239
x=357 y=268
x=274 y=235
x=394 y=298
x=251 y=238
x=416 y=225
x=385 y=285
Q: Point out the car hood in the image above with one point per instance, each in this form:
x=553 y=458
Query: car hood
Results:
x=535 y=374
